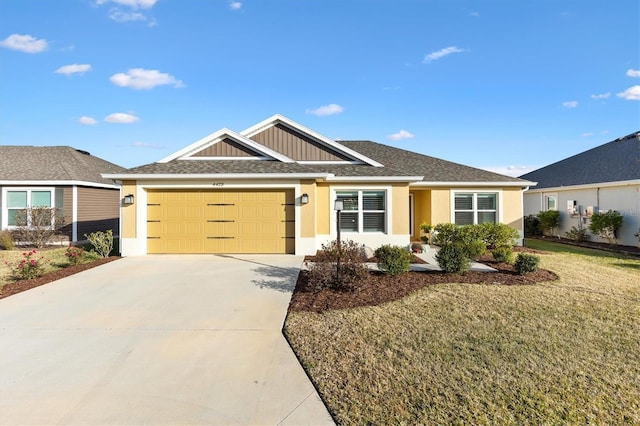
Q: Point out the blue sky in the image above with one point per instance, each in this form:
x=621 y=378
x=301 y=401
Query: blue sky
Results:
x=507 y=85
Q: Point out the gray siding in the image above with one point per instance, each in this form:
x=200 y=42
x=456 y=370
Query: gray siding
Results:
x=295 y=145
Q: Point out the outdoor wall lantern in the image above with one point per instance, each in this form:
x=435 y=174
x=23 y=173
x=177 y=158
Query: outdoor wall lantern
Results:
x=128 y=199
x=304 y=198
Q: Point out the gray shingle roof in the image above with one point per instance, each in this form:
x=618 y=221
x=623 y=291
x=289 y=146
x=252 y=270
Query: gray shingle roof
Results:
x=53 y=163
x=397 y=162
x=618 y=160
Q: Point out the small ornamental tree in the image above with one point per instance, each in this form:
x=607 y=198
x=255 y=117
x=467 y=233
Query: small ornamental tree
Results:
x=606 y=224
x=549 y=221
x=36 y=226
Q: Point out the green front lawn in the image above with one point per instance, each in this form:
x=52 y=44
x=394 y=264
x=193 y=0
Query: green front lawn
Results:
x=563 y=352
x=52 y=259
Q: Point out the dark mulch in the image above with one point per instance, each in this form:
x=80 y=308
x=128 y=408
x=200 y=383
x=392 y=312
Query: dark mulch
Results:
x=23 y=285
x=614 y=248
x=379 y=288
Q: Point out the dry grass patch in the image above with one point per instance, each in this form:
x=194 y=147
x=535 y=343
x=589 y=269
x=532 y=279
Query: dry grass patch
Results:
x=553 y=353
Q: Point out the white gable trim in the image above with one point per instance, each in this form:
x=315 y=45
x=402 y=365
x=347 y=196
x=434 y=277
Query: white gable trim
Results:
x=585 y=186
x=219 y=136
x=277 y=118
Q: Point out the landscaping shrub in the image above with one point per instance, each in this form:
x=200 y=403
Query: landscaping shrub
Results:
x=474 y=248
x=498 y=235
x=444 y=233
x=36 y=226
x=549 y=221
x=606 y=224
x=453 y=258
x=74 y=255
x=30 y=266
x=393 y=260
x=503 y=255
x=416 y=248
x=102 y=242
x=532 y=226
x=6 y=241
x=340 y=268
x=526 y=263
x=577 y=234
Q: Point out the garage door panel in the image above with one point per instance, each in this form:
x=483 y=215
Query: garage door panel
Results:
x=220 y=221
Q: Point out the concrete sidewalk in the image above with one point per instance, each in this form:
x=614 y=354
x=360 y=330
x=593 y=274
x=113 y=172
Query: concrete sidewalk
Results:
x=157 y=340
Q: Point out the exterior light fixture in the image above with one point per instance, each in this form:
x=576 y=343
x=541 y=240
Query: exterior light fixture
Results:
x=128 y=199
x=338 y=206
x=304 y=198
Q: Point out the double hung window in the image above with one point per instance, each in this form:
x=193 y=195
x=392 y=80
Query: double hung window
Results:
x=18 y=201
x=364 y=211
x=475 y=208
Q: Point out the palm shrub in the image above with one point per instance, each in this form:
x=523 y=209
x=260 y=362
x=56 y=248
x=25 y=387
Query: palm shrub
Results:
x=606 y=224
x=393 y=260
x=526 y=263
x=340 y=267
x=453 y=258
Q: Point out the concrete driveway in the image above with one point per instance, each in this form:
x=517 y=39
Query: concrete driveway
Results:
x=157 y=340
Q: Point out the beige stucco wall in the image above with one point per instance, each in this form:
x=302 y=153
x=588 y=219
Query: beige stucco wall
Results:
x=308 y=211
x=322 y=209
x=512 y=207
x=400 y=208
x=128 y=211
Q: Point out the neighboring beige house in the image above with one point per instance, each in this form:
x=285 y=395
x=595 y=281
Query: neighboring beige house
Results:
x=271 y=189
x=604 y=178
x=59 y=177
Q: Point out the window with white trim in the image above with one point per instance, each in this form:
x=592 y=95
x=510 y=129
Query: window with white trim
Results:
x=364 y=211
x=551 y=202
x=475 y=207
x=18 y=200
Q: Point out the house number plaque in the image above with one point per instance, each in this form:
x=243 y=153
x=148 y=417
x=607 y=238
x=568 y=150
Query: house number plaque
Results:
x=218 y=184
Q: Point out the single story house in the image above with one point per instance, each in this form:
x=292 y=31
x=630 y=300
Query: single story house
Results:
x=606 y=177
x=272 y=189
x=63 y=178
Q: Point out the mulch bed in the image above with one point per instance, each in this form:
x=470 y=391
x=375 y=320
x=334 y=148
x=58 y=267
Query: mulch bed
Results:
x=23 y=285
x=379 y=288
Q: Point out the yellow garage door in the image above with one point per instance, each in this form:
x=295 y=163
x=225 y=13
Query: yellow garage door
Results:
x=216 y=221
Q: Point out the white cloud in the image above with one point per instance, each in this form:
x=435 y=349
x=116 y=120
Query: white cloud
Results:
x=631 y=94
x=146 y=145
x=586 y=134
x=73 y=69
x=633 y=73
x=325 y=110
x=142 y=79
x=513 y=171
x=87 y=121
x=134 y=4
x=601 y=96
x=24 y=43
x=235 y=5
x=402 y=134
x=570 y=104
x=441 y=53
x=120 y=16
x=474 y=14
x=121 y=117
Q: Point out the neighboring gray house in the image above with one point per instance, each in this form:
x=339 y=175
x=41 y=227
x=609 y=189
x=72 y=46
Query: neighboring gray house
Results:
x=59 y=177
x=603 y=178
